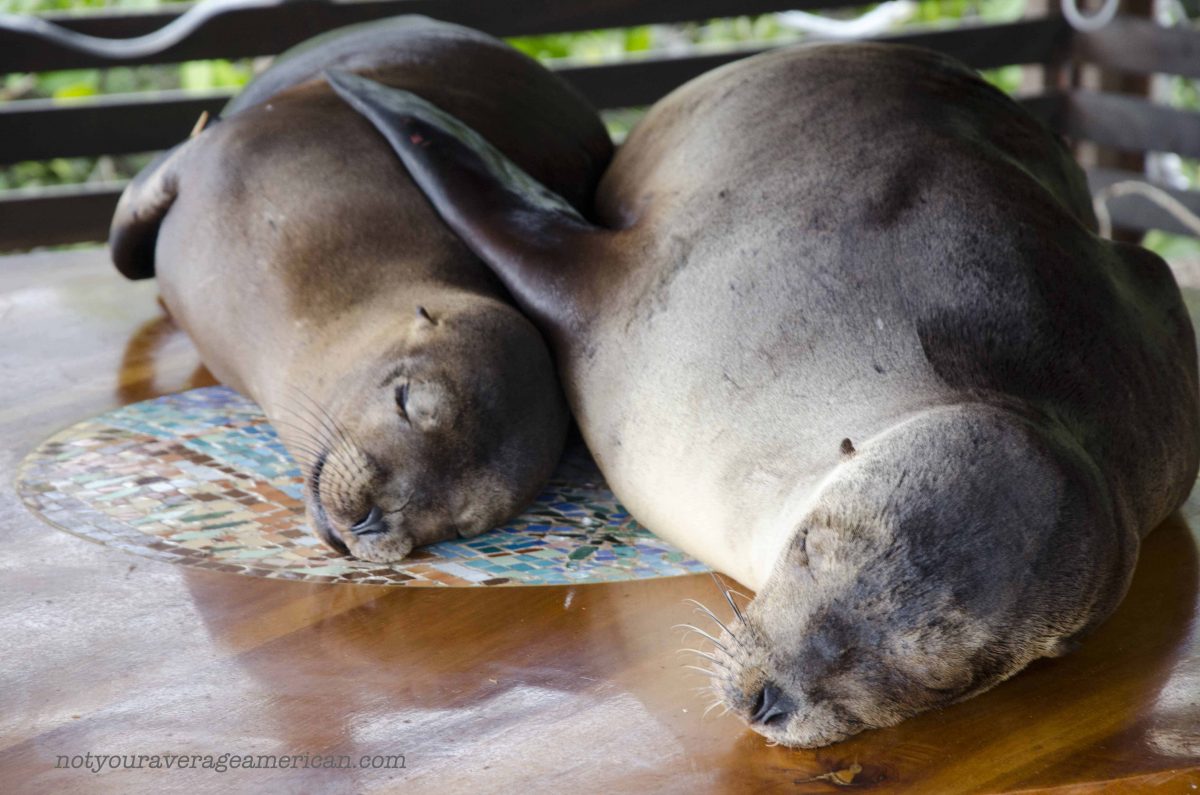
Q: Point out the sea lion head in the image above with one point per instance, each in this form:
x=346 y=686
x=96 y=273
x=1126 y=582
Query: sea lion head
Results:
x=444 y=423
x=938 y=559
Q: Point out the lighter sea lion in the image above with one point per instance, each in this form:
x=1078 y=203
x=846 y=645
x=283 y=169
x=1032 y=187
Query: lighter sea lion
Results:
x=845 y=333
x=315 y=278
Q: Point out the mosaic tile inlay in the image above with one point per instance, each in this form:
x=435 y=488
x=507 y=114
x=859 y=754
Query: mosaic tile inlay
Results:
x=201 y=479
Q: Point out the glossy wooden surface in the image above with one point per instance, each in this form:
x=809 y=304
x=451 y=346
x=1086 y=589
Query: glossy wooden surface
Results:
x=535 y=689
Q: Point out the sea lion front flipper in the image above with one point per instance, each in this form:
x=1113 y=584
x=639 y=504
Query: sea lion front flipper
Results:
x=529 y=235
x=140 y=211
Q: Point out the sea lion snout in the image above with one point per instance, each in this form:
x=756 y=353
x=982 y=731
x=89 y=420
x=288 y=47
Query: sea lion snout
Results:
x=947 y=554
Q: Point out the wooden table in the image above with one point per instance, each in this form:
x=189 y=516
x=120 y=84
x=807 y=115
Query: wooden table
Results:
x=565 y=689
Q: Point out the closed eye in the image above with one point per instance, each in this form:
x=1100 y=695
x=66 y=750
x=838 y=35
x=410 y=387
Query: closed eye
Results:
x=402 y=400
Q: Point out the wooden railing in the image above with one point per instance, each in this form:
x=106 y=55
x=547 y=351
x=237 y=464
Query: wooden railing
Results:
x=123 y=124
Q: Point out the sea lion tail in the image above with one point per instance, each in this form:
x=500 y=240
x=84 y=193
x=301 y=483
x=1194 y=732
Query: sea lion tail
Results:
x=527 y=234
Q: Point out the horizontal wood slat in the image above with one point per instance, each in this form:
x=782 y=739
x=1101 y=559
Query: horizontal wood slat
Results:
x=1130 y=124
x=272 y=30
x=115 y=125
x=1137 y=213
x=41 y=129
x=1142 y=47
x=56 y=216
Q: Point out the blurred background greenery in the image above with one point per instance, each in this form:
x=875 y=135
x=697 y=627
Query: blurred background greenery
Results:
x=78 y=85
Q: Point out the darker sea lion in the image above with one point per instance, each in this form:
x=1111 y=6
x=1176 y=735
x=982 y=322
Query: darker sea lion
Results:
x=846 y=334
x=314 y=277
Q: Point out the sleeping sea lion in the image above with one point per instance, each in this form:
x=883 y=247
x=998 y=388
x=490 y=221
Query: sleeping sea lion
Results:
x=314 y=278
x=845 y=332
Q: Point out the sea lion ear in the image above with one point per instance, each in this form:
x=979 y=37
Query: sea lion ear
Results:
x=140 y=211
x=524 y=231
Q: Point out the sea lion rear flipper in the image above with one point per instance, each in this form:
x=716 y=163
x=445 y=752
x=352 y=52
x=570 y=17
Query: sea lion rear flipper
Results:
x=140 y=211
x=525 y=232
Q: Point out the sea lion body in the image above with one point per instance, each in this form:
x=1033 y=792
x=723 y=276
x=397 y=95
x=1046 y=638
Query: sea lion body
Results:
x=845 y=332
x=313 y=277
x=833 y=239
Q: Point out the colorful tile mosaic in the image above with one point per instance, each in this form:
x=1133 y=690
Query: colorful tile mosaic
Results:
x=200 y=478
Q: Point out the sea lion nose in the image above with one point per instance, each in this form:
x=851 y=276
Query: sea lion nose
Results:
x=371 y=524
x=771 y=706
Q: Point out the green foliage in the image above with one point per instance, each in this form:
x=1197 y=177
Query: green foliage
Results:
x=50 y=172
x=599 y=46
x=71 y=170
x=58 y=6
x=1184 y=93
x=70 y=84
x=621 y=120
x=937 y=11
x=588 y=47
x=210 y=75
x=1006 y=78
x=1172 y=248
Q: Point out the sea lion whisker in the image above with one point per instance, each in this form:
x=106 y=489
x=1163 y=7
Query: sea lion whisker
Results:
x=308 y=409
x=302 y=427
x=725 y=592
x=334 y=480
x=706 y=671
x=315 y=448
x=705 y=611
x=307 y=458
x=319 y=420
x=735 y=592
x=304 y=435
x=741 y=618
x=306 y=461
x=310 y=440
x=298 y=392
x=703 y=654
x=345 y=484
x=691 y=628
x=701 y=608
x=339 y=428
x=709 y=615
x=301 y=442
x=328 y=435
x=304 y=457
